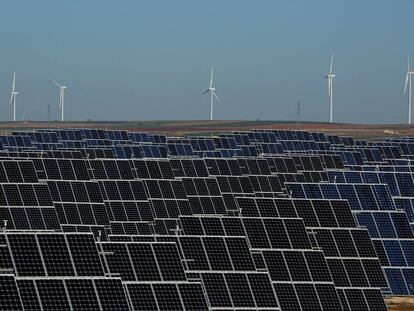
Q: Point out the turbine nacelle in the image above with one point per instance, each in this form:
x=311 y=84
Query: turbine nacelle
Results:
x=60 y=86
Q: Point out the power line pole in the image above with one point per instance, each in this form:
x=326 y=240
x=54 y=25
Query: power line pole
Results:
x=298 y=120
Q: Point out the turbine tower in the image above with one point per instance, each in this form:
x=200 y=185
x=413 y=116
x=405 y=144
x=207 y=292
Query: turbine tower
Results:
x=13 y=97
x=212 y=92
x=330 y=76
x=61 y=100
x=408 y=84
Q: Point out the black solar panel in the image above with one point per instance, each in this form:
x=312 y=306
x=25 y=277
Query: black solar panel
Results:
x=110 y=220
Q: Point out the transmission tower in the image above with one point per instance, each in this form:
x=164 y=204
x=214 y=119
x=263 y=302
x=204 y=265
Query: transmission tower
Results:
x=298 y=120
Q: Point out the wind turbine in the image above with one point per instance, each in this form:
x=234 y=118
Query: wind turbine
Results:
x=212 y=92
x=61 y=100
x=408 y=84
x=13 y=97
x=330 y=76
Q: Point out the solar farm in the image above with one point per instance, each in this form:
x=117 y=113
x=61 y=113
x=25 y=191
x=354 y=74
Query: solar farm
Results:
x=260 y=219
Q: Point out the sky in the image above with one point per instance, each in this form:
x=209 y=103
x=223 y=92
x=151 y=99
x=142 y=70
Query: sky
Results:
x=149 y=60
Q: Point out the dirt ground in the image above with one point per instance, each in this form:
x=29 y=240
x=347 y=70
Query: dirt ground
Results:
x=400 y=303
x=180 y=128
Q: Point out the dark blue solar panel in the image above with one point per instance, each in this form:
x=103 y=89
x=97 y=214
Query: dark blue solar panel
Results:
x=330 y=191
x=312 y=191
x=396 y=281
x=370 y=178
x=401 y=225
x=296 y=191
x=405 y=204
x=348 y=193
x=408 y=249
x=405 y=183
x=353 y=177
x=394 y=253
x=366 y=219
x=366 y=197
x=409 y=279
x=383 y=197
x=336 y=176
x=384 y=225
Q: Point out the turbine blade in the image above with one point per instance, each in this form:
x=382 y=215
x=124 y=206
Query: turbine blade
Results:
x=14 y=82
x=406 y=82
x=206 y=91
x=330 y=67
x=408 y=63
x=13 y=89
x=211 y=76
x=214 y=94
x=56 y=83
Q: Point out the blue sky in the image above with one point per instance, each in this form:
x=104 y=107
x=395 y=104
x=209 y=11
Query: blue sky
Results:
x=146 y=60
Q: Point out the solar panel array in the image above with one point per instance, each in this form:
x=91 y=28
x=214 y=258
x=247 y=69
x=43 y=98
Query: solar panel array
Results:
x=259 y=220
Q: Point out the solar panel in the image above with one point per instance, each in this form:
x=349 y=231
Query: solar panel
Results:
x=111 y=294
x=9 y=293
x=244 y=220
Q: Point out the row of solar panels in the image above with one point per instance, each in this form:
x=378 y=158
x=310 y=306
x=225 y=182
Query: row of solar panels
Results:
x=258 y=232
x=137 y=145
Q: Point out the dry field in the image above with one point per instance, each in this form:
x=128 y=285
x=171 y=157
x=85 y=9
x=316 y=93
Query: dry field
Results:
x=400 y=303
x=180 y=128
